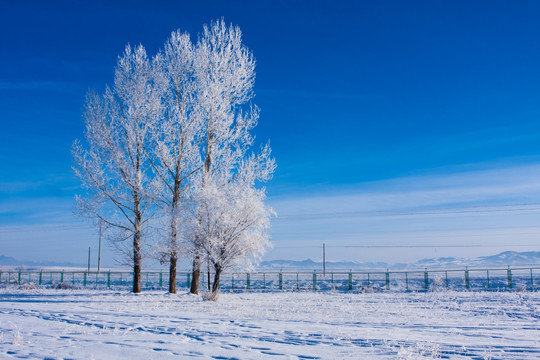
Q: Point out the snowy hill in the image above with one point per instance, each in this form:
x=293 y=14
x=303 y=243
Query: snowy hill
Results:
x=309 y=264
x=9 y=261
x=512 y=258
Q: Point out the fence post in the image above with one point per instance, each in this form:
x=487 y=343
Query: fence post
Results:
x=467 y=277
x=532 y=281
x=121 y=280
x=188 y=279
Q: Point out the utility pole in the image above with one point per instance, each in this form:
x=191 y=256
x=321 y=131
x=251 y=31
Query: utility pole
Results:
x=89 y=259
x=99 y=251
x=324 y=259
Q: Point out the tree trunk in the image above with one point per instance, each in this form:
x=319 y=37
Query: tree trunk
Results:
x=174 y=253
x=195 y=275
x=137 y=256
x=174 y=231
x=197 y=260
x=215 y=286
x=137 y=260
x=208 y=278
x=172 y=273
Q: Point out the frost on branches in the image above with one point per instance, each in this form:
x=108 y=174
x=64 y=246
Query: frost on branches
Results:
x=225 y=71
x=230 y=223
x=173 y=138
x=113 y=166
x=233 y=226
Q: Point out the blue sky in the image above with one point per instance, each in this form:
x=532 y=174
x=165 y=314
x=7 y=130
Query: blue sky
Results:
x=369 y=106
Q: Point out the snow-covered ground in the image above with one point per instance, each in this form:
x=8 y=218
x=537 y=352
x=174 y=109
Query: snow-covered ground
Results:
x=93 y=324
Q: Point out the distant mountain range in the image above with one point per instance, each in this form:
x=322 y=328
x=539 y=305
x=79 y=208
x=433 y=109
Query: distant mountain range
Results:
x=9 y=261
x=512 y=258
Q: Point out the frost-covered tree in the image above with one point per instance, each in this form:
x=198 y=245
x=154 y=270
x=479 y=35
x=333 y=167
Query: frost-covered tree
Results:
x=225 y=71
x=233 y=223
x=176 y=136
x=112 y=165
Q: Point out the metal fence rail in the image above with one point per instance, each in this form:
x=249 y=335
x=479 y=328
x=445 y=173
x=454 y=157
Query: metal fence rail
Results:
x=496 y=279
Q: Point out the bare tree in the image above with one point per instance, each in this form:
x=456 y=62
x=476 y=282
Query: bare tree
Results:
x=112 y=165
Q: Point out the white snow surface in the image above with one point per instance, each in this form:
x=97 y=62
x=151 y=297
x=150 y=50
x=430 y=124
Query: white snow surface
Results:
x=94 y=324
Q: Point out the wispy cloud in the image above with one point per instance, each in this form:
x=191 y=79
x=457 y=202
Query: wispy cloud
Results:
x=36 y=211
x=18 y=186
x=482 y=187
x=494 y=207
x=497 y=209
x=52 y=185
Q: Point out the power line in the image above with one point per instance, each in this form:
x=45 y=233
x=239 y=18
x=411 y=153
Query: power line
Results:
x=406 y=246
x=438 y=246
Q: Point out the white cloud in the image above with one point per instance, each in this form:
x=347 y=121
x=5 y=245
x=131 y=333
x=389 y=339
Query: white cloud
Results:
x=492 y=208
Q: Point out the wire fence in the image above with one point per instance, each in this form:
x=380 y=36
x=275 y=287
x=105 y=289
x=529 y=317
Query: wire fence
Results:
x=497 y=279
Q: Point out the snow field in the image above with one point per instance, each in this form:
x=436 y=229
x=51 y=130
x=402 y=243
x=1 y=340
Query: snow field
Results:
x=93 y=324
